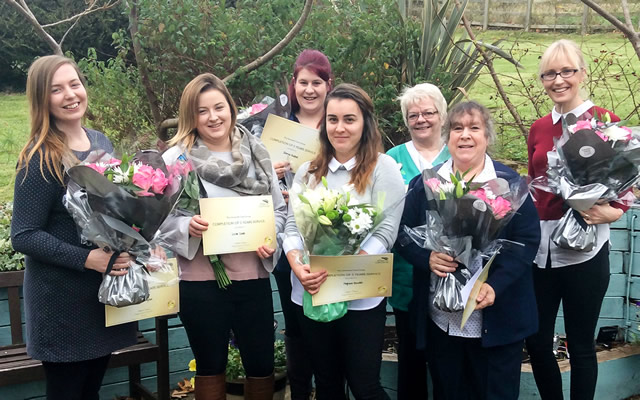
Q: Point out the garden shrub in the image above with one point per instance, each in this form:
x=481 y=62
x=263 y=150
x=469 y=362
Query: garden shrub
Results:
x=10 y=260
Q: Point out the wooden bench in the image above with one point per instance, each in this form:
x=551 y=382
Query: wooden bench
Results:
x=17 y=367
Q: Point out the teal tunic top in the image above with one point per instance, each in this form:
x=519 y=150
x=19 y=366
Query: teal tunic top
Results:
x=402 y=269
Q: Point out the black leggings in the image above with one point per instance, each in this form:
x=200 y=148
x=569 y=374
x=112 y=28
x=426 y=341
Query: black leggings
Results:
x=581 y=287
x=78 y=380
x=351 y=348
x=208 y=313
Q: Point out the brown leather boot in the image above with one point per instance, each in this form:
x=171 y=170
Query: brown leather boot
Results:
x=211 y=387
x=259 y=388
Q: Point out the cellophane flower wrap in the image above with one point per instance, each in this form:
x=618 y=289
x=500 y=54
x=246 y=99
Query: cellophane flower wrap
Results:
x=118 y=205
x=255 y=116
x=331 y=223
x=464 y=221
x=592 y=162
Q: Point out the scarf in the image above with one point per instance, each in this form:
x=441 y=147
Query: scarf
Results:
x=245 y=149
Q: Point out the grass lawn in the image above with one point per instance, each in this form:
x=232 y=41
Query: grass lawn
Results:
x=14 y=131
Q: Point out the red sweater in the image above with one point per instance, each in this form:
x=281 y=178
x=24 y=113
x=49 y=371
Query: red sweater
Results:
x=540 y=141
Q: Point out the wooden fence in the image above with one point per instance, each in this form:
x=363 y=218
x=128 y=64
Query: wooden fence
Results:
x=540 y=15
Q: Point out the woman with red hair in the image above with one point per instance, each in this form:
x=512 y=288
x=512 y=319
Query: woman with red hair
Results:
x=311 y=82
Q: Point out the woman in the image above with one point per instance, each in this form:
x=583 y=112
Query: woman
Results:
x=423 y=110
x=481 y=361
x=350 y=347
x=229 y=162
x=578 y=279
x=64 y=320
x=308 y=89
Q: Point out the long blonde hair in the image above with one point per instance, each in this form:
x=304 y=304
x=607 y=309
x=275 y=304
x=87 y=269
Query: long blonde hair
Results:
x=45 y=139
x=188 y=113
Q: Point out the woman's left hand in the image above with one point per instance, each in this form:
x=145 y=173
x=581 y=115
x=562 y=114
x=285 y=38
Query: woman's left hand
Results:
x=265 y=251
x=486 y=296
x=601 y=214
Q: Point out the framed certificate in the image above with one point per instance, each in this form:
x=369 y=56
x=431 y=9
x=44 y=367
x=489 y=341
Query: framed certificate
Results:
x=289 y=141
x=164 y=299
x=238 y=224
x=353 y=277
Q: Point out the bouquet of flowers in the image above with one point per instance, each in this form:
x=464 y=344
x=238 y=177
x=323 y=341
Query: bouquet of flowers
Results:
x=188 y=204
x=464 y=220
x=119 y=204
x=255 y=116
x=331 y=223
x=593 y=161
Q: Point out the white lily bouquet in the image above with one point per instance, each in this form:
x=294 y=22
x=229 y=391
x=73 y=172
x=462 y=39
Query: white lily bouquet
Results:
x=331 y=223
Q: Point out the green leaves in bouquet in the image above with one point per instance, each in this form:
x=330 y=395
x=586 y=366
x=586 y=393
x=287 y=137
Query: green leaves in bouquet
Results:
x=189 y=199
x=462 y=187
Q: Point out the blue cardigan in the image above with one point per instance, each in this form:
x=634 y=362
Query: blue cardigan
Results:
x=514 y=315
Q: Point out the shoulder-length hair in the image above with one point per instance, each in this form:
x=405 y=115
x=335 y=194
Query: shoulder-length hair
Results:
x=370 y=142
x=316 y=62
x=45 y=139
x=188 y=112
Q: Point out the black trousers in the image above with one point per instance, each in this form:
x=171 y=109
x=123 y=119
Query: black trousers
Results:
x=581 y=287
x=208 y=313
x=351 y=348
x=412 y=363
x=461 y=369
x=282 y=273
x=79 y=380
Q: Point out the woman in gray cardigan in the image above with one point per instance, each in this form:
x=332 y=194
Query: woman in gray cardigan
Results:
x=350 y=143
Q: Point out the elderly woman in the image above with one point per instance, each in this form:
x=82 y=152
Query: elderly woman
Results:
x=578 y=279
x=482 y=360
x=424 y=109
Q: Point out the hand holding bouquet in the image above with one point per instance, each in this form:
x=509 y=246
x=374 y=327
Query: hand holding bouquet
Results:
x=464 y=220
x=119 y=204
x=593 y=162
x=331 y=223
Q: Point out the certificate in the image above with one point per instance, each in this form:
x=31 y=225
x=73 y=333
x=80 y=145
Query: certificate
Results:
x=164 y=298
x=238 y=224
x=289 y=141
x=471 y=290
x=353 y=277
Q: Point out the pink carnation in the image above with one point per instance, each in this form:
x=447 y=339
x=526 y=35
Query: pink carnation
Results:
x=582 y=124
x=433 y=184
x=256 y=108
x=98 y=167
x=114 y=162
x=500 y=207
x=480 y=193
x=143 y=178
x=159 y=182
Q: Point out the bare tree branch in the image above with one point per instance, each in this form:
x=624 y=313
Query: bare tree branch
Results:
x=25 y=11
x=627 y=16
x=277 y=48
x=142 y=67
x=67 y=32
x=632 y=35
x=489 y=64
x=89 y=10
x=169 y=123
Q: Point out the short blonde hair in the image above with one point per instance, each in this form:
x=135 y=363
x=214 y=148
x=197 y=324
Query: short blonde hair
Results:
x=188 y=112
x=413 y=95
x=562 y=49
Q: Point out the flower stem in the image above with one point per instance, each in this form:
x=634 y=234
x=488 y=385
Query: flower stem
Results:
x=219 y=271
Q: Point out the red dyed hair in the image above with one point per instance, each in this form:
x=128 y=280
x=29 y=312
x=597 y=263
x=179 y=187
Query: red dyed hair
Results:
x=316 y=62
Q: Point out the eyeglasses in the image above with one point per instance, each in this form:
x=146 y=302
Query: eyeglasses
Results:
x=413 y=117
x=552 y=75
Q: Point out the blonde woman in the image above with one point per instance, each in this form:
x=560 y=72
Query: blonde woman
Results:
x=578 y=279
x=229 y=162
x=64 y=320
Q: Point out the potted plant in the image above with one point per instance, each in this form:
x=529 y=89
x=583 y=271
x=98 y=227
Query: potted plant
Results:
x=236 y=376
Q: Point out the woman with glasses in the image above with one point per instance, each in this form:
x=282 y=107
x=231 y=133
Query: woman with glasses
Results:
x=423 y=110
x=578 y=279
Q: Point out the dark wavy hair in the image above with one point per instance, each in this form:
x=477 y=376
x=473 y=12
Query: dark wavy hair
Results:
x=316 y=62
x=370 y=142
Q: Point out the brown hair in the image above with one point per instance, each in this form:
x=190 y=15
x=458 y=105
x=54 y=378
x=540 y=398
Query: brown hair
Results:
x=188 y=113
x=370 y=142
x=45 y=139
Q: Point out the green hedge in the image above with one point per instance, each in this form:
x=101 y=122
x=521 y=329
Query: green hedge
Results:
x=10 y=260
